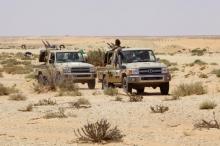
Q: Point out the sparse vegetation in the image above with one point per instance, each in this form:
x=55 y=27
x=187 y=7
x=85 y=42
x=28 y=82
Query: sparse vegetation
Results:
x=213 y=63
x=59 y=114
x=173 y=69
x=6 y=90
x=198 y=62
x=167 y=62
x=98 y=132
x=159 y=108
x=44 y=102
x=118 y=98
x=111 y=91
x=189 y=89
x=207 y=124
x=135 y=98
x=69 y=88
x=80 y=103
x=202 y=75
x=216 y=72
x=28 y=108
x=96 y=57
x=207 y=104
x=17 y=97
x=198 y=52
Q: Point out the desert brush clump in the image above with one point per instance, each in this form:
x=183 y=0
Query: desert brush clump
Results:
x=202 y=75
x=183 y=89
x=28 y=108
x=111 y=91
x=216 y=72
x=207 y=104
x=159 y=108
x=198 y=62
x=17 y=97
x=7 y=90
x=207 y=123
x=44 y=102
x=81 y=103
x=68 y=88
x=98 y=132
x=135 y=98
x=59 y=114
x=198 y=52
x=118 y=98
x=167 y=62
x=96 y=57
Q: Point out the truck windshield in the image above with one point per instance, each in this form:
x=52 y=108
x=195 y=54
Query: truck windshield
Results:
x=62 y=57
x=130 y=56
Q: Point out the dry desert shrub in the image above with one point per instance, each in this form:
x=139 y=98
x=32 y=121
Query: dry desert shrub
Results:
x=44 y=102
x=189 y=89
x=167 y=62
x=59 y=114
x=69 y=88
x=7 y=90
x=118 y=98
x=159 y=108
x=202 y=75
x=1 y=75
x=111 y=91
x=17 y=97
x=135 y=98
x=173 y=69
x=198 y=62
x=96 y=57
x=81 y=103
x=98 y=132
x=207 y=123
x=216 y=72
x=28 y=108
x=198 y=52
x=213 y=63
x=207 y=104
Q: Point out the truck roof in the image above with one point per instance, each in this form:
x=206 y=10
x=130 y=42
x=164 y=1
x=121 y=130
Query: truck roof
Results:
x=64 y=50
x=126 y=49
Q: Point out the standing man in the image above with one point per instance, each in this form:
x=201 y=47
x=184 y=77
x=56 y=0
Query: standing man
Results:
x=117 y=56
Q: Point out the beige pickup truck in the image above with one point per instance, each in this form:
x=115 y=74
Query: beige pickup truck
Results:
x=68 y=64
x=138 y=68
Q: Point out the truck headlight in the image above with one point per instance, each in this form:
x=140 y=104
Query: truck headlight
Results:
x=164 y=70
x=133 y=71
x=67 y=70
x=92 y=69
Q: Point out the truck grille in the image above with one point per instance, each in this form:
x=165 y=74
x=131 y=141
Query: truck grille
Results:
x=151 y=78
x=80 y=70
x=149 y=71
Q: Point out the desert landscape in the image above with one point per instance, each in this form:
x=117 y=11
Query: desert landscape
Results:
x=188 y=116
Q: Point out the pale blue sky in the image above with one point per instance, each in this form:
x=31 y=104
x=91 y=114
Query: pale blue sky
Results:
x=109 y=17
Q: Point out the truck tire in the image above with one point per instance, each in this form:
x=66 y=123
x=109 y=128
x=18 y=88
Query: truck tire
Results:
x=126 y=86
x=140 y=91
x=91 y=84
x=164 y=89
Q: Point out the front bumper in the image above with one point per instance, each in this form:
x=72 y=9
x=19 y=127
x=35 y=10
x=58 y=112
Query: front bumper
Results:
x=80 y=76
x=149 y=78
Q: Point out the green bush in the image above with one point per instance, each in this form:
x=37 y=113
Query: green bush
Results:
x=189 y=89
x=96 y=57
x=198 y=52
x=207 y=104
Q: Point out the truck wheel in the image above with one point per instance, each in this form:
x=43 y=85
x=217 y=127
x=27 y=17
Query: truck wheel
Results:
x=164 y=89
x=140 y=90
x=126 y=86
x=91 y=84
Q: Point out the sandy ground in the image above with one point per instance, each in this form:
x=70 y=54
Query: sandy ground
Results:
x=140 y=126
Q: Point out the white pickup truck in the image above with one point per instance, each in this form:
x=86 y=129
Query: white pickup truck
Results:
x=69 y=64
